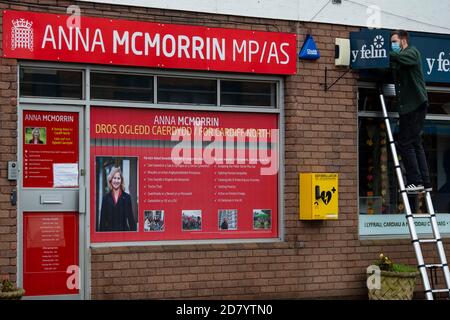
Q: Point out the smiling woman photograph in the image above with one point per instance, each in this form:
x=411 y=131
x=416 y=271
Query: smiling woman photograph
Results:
x=34 y=136
x=116 y=210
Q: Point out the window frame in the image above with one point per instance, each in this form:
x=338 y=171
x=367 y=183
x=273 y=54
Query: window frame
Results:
x=395 y=115
x=87 y=103
x=124 y=73
x=57 y=68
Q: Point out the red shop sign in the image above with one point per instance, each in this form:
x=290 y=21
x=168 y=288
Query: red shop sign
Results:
x=42 y=36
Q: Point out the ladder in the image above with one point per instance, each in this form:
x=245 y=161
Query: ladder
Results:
x=429 y=291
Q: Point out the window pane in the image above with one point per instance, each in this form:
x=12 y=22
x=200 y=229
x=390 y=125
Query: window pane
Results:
x=39 y=82
x=187 y=90
x=115 y=86
x=244 y=93
x=439 y=102
x=378 y=186
x=377 y=180
x=369 y=100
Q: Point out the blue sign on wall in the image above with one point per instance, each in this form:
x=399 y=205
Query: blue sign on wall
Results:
x=309 y=50
x=369 y=49
x=435 y=51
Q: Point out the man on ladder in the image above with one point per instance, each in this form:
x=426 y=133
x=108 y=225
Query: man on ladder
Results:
x=410 y=87
x=413 y=104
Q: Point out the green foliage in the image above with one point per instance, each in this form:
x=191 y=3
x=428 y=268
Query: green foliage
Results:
x=7 y=286
x=387 y=265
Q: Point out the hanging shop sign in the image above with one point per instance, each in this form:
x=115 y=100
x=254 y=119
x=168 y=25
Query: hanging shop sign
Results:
x=183 y=175
x=42 y=36
x=435 y=53
x=369 y=49
x=50 y=149
x=309 y=50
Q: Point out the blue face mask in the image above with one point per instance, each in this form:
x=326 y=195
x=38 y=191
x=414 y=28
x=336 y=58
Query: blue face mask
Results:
x=395 y=46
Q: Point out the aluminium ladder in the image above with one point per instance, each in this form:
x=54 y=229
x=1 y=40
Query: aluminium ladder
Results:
x=429 y=291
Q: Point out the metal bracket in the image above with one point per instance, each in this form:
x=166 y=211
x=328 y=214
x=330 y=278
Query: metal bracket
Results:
x=326 y=87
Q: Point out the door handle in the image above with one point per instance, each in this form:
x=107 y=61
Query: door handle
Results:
x=52 y=199
x=51 y=202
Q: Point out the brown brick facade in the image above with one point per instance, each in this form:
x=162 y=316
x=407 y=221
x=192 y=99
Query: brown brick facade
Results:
x=322 y=259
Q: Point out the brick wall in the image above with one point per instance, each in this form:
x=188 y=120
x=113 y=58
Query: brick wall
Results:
x=322 y=259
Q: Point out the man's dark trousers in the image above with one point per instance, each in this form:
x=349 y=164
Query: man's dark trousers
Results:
x=411 y=148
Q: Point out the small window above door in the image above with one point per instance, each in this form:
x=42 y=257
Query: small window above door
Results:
x=51 y=83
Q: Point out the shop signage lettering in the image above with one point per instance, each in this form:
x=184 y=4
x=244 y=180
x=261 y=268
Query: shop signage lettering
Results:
x=435 y=56
x=395 y=224
x=442 y=65
x=369 y=49
x=38 y=36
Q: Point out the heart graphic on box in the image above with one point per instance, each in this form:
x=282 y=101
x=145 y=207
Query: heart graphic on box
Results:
x=326 y=197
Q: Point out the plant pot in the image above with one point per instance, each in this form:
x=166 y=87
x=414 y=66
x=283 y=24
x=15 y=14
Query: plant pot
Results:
x=395 y=286
x=12 y=295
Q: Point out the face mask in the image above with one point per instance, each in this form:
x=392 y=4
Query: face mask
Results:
x=395 y=46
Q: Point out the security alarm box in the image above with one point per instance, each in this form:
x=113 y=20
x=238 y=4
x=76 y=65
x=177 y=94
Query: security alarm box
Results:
x=342 y=52
x=318 y=196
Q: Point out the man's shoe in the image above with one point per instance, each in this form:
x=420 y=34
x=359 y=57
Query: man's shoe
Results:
x=414 y=188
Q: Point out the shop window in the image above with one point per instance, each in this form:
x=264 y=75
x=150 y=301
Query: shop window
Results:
x=52 y=83
x=187 y=90
x=380 y=205
x=439 y=102
x=118 y=86
x=245 y=93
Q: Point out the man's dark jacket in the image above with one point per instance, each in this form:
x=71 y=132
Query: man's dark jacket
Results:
x=408 y=75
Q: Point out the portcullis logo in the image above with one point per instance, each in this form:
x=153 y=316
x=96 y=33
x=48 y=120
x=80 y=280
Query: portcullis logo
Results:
x=22 y=34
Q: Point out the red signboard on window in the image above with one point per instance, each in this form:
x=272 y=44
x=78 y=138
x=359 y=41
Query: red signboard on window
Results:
x=183 y=175
x=50 y=253
x=42 y=36
x=50 y=149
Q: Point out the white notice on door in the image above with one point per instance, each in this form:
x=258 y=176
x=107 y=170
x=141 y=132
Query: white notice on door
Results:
x=65 y=175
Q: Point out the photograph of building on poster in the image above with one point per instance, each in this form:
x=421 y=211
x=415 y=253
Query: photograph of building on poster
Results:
x=228 y=219
x=116 y=195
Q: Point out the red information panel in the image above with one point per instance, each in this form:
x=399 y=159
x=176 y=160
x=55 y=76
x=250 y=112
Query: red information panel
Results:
x=50 y=253
x=183 y=175
x=43 y=36
x=50 y=149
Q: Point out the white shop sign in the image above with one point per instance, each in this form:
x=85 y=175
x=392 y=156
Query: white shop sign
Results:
x=396 y=224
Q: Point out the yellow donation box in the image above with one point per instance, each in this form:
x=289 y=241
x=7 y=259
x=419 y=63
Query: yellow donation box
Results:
x=318 y=196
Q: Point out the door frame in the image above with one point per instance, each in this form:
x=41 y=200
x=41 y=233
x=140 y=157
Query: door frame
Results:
x=82 y=207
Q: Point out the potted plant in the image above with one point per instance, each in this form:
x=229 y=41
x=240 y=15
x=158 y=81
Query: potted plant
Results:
x=396 y=281
x=8 y=290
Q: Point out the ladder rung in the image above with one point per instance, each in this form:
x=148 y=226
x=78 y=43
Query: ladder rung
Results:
x=416 y=192
x=429 y=240
x=434 y=265
x=440 y=290
x=421 y=215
